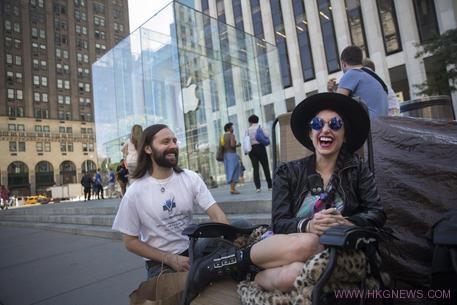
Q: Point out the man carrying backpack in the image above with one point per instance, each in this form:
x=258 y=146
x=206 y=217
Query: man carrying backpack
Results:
x=259 y=139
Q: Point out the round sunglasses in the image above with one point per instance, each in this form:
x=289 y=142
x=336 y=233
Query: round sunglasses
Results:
x=318 y=123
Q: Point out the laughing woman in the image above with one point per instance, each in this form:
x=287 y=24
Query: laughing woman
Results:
x=331 y=187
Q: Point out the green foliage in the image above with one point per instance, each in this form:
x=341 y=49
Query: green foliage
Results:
x=444 y=50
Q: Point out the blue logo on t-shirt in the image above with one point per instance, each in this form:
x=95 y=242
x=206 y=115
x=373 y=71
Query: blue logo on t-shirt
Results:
x=169 y=205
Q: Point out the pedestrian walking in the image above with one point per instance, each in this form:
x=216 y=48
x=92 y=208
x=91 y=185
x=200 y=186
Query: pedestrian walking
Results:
x=258 y=153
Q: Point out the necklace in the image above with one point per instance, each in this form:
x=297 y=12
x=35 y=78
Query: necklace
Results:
x=163 y=184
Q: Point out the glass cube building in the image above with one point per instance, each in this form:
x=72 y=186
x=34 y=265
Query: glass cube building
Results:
x=195 y=74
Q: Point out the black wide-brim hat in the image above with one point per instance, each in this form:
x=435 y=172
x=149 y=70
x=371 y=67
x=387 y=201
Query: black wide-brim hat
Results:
x=353 y=113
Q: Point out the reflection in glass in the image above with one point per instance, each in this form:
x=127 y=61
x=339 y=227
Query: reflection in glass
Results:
x=281 y=44
x=180 y=75
x=328 y=35
x=389 y=26
x=356 y=28
x=426 y=19
x=301 y=26
x=262 y=60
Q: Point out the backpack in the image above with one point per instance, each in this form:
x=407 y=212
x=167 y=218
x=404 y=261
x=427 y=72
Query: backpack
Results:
x=261 y=137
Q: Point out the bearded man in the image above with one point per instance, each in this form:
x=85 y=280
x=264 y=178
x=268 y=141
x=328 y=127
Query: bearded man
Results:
x=159 y=204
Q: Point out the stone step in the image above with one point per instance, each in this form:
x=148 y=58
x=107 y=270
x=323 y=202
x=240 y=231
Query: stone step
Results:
x=107 y=220
x=94 y=220
x=104 y=230
x=86 y=230
x=245 y=207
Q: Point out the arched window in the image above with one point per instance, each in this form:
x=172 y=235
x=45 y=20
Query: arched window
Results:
x=44 y=176
x=89 y=166
x=18 y=177
x=67 y=172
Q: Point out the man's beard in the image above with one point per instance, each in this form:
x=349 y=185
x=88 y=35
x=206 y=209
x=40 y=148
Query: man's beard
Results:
x=161 y=159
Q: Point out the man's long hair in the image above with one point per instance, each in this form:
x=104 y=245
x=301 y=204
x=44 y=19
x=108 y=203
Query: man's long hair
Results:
x=144 y=163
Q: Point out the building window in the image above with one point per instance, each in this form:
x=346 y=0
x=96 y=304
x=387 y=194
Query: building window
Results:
x=41 y=113
x=39 y=146
x=13 y=146
x=301 y=26
x=281 y=43
x=262 y=59
x=21 y=146
x=399 y=81
x=10 y=94
x=9 y=59
x=99 y=8
x=63 y=147
x=8 y=26
x=328 y=35
x=17 y=43
x=47 y=147
x=426 y=19
x=389 y=26
x=356 y=28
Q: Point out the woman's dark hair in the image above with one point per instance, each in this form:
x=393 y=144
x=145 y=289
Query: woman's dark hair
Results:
x=253 y=119
x=144 y=163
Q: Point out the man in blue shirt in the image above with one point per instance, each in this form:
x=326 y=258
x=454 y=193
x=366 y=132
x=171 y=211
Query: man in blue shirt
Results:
x=358 y=83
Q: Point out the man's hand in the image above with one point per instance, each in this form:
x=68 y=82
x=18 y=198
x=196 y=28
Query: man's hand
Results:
x=326 y=219
x=178 y=262
x=331 y=85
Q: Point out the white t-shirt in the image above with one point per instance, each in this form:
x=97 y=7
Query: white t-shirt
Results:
x=158 y=218
x=252 y=130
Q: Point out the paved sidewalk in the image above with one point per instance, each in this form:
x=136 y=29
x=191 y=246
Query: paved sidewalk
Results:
x=44 y=267
x=50 y=268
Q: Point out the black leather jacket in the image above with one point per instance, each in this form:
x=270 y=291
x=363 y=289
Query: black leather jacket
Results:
x=355 y=185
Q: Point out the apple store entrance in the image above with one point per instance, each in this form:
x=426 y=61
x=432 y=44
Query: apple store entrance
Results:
x=195 y=74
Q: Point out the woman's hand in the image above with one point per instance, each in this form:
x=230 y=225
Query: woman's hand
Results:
x=326 y=219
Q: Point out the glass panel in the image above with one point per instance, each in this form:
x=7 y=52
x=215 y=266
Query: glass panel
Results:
x=177 y=74
x=426 y=19
x=281 y=43
x=262 y=59
x=356 y=28
x=389 y=26
x=301 y=26
x=328 y=35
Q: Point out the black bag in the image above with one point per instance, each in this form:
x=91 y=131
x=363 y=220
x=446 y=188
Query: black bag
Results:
x=220 y=154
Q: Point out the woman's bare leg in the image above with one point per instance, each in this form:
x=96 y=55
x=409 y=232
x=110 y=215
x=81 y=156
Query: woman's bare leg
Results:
x=280 y=278
x=283 y=249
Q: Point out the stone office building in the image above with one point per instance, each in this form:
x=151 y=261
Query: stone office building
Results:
x=47 y=133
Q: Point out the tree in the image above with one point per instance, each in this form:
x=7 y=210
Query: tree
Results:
x=443 y=50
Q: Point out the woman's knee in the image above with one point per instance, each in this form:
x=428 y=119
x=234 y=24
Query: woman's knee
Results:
x=305 y=246
x=288 y=275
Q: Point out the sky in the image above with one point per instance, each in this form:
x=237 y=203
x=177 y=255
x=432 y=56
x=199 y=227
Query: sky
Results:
x=142 y=10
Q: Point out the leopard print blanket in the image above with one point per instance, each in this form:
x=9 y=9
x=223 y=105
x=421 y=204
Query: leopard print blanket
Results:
x=348 y=272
